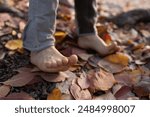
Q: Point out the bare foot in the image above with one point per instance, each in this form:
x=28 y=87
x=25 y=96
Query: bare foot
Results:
x=94 y=42
x=51 y=60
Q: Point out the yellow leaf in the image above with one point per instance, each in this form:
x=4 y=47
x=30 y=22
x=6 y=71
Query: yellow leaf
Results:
x=119 y=58
x=14 y=44
x=60 y=36
x=55 y=95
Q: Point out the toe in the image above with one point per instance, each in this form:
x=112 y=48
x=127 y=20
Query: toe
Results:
x=48 y=64
x=59 y=62
x=73 y=59
x=53 y=64
x=64 y=61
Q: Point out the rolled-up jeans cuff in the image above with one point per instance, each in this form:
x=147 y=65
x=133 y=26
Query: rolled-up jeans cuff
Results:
x=39 y=31
x=39 y=47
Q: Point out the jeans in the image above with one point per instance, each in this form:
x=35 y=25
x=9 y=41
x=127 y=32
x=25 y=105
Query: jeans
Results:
x=38 y=33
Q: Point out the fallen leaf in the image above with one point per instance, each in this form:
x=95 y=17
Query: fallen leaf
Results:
x=111 y=67
x=55 y=95
x=119 y=58
x=80 y=94
x=14 y=44
x=107 y=38
x=18 y=96
x=142 y=88
x=107 y=96
x=20 y=79
x=64 y=86
x=67 y=97
x=53 y=77
x=129 y=77
x=83 y=82
x=4 y=90
x=84 y=56
x=60 y=36
x=100 y=79
x=116 y=88
x=124 y=93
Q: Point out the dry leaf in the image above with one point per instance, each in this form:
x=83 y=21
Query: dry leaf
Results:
x=20 y=79
x=119 y=58
x=4 y=90
x=100 y=80
x=53 y=77
x=142 y=88
x=109 y=66
x=67 y=97
x=64 y=86
x=124 y=93
x=107 y=96
x=107 y=38
x=55 y=95
x=116 y=88
x=18 y=96
x=83 y=82
x=14 y=44
x=80 y=94
x=60 y=36
x=129 y=77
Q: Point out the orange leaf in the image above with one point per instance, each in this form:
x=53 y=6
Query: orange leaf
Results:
x=107 y=38
x=60 y=36
x=55 y=95
x=14 y=44
x=119 y=58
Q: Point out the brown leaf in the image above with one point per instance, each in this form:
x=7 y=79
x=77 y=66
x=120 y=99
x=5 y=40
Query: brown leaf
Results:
x=53 y=77
x=83 y=82
x=64 y=86
x=20 y=79
x=55 y=95
x=107 y=96
x=129 y=77
x=4 y=90
x=67 y=97
x=112 y=67
x=116 y=88
x=18 y=96
x=124 y=93
x=142 y=88
x=100 y=80
x=80 y=94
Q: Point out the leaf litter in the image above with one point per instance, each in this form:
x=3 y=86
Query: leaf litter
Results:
x=122 y=75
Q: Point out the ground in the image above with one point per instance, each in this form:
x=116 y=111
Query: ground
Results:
x=122 y=75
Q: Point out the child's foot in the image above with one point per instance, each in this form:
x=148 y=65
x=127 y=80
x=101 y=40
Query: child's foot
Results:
x=51 y=60
x=94 y=42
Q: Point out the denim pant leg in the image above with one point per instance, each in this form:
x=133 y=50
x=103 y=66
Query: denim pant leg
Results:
x=38 y=33
x=86 y=16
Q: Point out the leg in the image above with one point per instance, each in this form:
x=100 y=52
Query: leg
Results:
x=86 y=19
x=38 y=37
